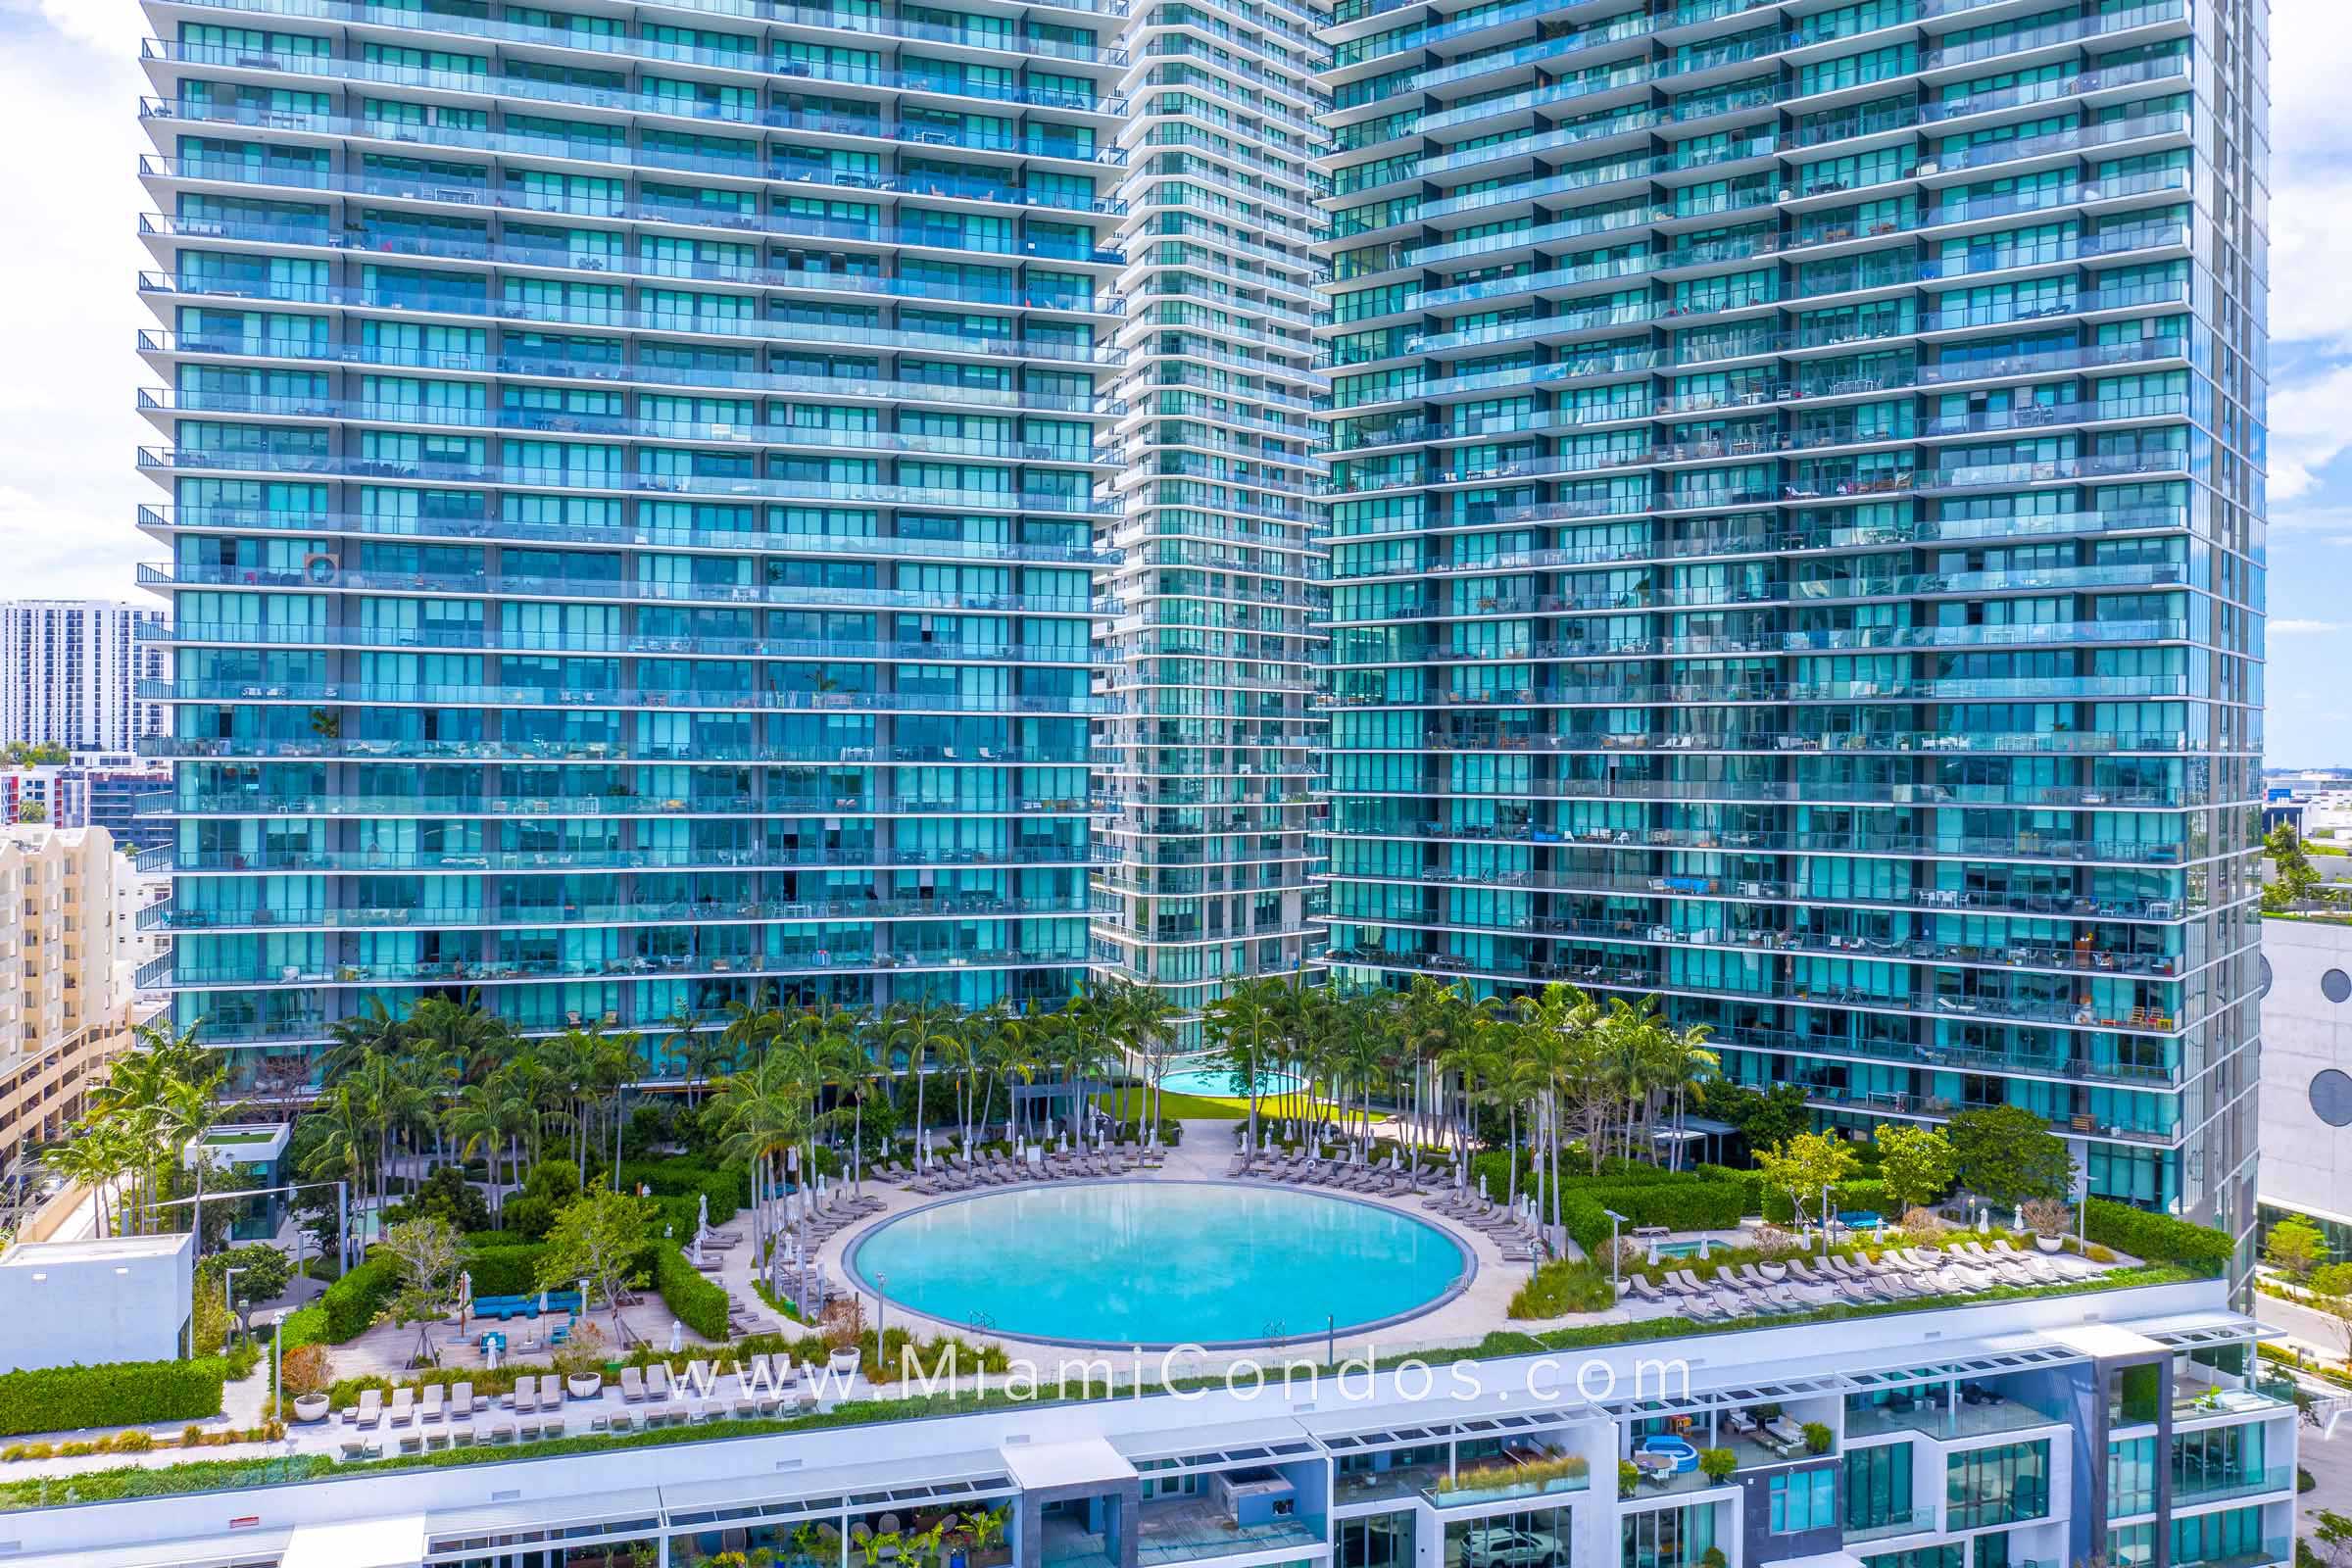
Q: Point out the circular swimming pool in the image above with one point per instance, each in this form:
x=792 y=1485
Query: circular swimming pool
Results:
x=1158 y=1263
x=1218 y=1084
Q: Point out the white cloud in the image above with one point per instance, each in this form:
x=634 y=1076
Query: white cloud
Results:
x=2289 y=626
x=69 y=429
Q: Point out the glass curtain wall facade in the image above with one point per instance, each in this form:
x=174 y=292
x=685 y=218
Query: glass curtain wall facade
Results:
x=1210 y=753
x=631 y=475
x=1796 y=541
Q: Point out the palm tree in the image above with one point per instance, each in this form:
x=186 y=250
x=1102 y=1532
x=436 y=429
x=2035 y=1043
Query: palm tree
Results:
x=922 y=1028
x=372 y=1031
x=1238 y=1025
x=1146 y=1020
x=762 y=1112
x=96 y=1156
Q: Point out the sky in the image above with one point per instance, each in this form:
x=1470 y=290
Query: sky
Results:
x=70 y=314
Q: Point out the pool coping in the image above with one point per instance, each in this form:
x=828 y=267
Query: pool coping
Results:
x=1460 y=1284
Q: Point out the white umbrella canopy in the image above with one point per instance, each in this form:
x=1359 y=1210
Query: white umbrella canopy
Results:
x=1653 y=1251
x=677 y=1341
x=1704 y=1245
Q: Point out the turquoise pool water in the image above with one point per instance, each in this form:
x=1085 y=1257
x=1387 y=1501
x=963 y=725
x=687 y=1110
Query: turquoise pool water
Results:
x=1158 y=1262
x=1217 y=1083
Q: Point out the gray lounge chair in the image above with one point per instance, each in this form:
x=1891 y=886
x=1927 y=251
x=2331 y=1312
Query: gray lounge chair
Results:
x=657 y=1381
x=370 y=1410
x=461 y=1401
x=632 y=1385
x=404 y=1406
x=436 y=1400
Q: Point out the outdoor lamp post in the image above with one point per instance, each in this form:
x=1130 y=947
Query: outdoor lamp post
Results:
x=1615 y=1219
x=277 y=1368
x=229 y=1297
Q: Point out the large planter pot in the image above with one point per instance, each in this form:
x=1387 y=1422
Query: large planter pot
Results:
x=585 y=1386
x=309 y=1408
x=1624 y=1286
x=2050 y=1243
x=1775 y=1272
x=844 y=1361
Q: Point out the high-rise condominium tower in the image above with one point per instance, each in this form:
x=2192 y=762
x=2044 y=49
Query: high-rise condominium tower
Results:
x=69 y=670
x=1212 y=753
x=1797 y=542
x=632 y=493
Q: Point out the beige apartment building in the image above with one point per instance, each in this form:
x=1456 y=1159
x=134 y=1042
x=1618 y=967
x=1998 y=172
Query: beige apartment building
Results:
x=62 y=1014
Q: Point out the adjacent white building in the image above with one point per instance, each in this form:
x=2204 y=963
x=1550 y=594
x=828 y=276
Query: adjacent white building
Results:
x=100 y=1299
x=2306 y=1099
x=69 y=670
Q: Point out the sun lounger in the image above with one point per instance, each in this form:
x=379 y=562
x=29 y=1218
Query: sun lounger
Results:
x=461 y=1401
x=435 y=1440
x=361 y=1448
x=411 y=1443
x=372 y=1408
x=632 y=1385
x=500 y=1432
x=623 y=1420
x=436 y=1399
x=404 y=1406
x=739 y=1398
x=550 y=1394
x=657 y=1381
x=524 y=1397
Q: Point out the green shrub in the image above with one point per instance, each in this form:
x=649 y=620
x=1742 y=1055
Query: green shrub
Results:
x=2157 y=1238
x=1565 y=1285
x=353 y=1301
x=116 y=1394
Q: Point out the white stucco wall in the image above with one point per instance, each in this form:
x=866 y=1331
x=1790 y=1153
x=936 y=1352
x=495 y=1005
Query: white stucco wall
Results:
x=67 y=1302
x=2306 y=1164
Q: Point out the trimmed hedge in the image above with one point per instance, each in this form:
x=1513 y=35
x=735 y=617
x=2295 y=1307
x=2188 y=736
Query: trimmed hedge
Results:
x=2157 y=1238
x=728 y=1187
x=505 y=1270
x=691 y=1299
x=1863 y=1194
x=117 y=1393
x=1689 y=1206
x=353 y=1301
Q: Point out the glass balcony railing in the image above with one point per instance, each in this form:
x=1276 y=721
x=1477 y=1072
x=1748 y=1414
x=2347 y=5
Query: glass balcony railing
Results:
x=624 y=373
x=612 y=859
x=163 y=401
x=617 y=267
x=612 y=47
x=531 y=145
x=328 y=466
x=821 y=961
x=537 y=314
x=488 y=86
x=453 y=695
x=701 y=912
